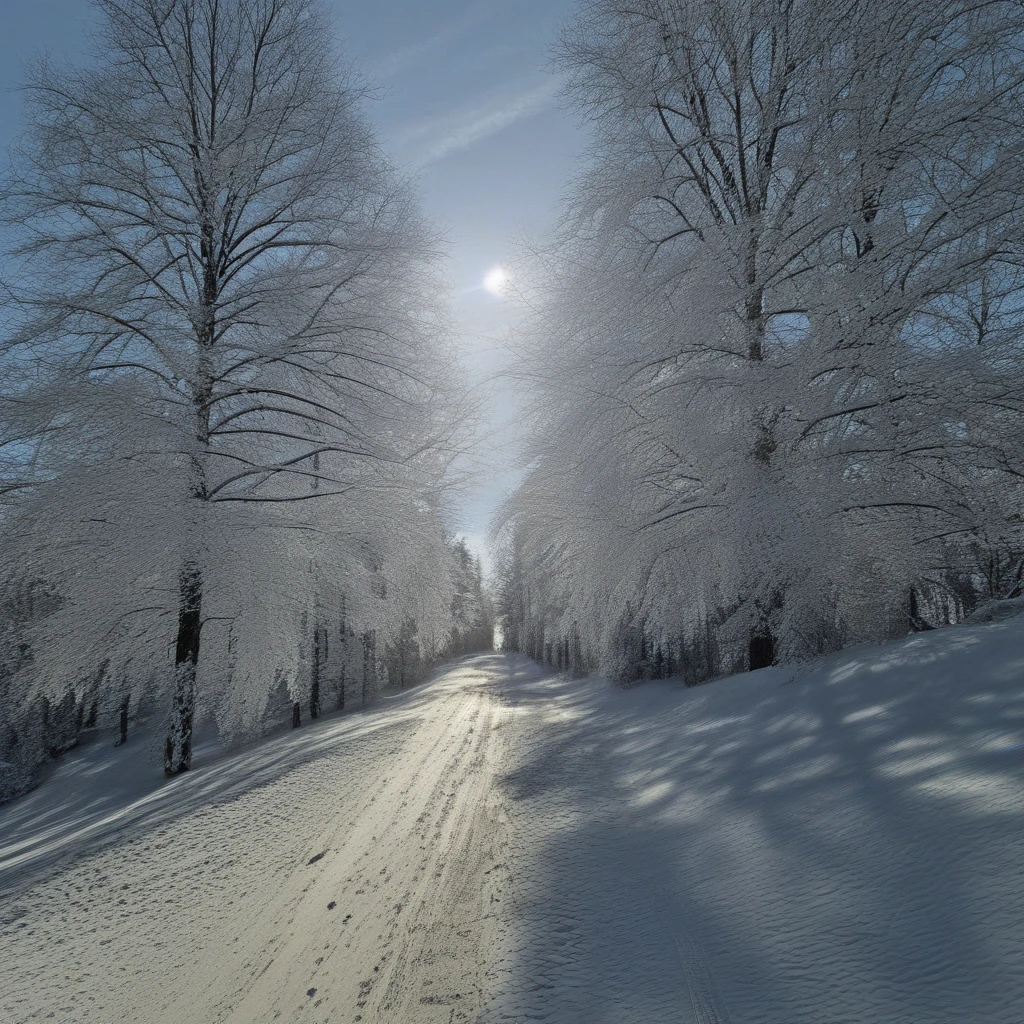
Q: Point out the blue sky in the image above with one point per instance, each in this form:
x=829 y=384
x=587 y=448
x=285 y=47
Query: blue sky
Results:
x=465 y=100
x=469 y=100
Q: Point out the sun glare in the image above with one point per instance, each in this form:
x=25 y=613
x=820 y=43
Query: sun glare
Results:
x=495 y=280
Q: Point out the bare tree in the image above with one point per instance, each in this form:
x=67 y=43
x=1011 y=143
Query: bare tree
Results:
x=222 y=287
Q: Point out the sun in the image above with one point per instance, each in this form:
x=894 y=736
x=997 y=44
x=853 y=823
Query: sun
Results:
x=495 y=280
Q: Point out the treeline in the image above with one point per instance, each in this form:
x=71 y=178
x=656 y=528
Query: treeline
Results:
x=775 y=347
x=348 y=658
x=226 y=400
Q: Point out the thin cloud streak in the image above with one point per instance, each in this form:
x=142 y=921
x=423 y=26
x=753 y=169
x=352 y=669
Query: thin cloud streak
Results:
x=407 y=56
x=460 y=131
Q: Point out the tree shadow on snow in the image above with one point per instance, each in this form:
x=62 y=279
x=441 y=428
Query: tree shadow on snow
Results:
x=830 y=844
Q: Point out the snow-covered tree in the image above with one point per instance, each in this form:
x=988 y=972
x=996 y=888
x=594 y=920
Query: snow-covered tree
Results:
x=762 y=414
x=472 y=615
x=228 y=363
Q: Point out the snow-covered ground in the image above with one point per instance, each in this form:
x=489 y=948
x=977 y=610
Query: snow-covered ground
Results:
x=341 y=872
x=843 y=842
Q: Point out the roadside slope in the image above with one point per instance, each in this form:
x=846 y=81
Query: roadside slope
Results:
x=839 y=843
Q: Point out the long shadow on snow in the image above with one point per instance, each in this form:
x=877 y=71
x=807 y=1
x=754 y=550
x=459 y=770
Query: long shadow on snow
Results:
x=776 y=847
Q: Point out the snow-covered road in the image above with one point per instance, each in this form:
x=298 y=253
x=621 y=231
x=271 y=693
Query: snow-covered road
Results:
x=835 y=844
x=356 y=877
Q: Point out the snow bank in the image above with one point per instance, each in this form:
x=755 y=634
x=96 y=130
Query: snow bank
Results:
x=98 y=793
x=997 y=611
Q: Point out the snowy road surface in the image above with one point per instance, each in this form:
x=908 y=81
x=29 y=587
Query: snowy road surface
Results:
x=355 y=883
x=840 y=843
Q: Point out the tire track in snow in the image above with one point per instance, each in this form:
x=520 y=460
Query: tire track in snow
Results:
x=705 y=1000
x=360 y=885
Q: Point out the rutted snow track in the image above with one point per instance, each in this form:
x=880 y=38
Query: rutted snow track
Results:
x=360 y=884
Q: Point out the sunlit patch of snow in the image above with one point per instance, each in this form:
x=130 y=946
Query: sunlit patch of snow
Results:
x=876 y=711
x=976 y=791
x=917 y=764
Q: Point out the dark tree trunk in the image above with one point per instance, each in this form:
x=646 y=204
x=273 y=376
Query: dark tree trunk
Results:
x=343 y=654
x=342 y=669
x=91 y=700
x=296 y=714
x=762 y=650
x=369 y=661
x=123 y=737
x=178 y=746
x=366 y=665
x=402 y=641
x=314 y=683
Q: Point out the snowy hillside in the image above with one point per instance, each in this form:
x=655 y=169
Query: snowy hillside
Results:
x=838 y=842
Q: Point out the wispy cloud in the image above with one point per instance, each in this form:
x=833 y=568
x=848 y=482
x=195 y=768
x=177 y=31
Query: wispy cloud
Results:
x=436 y=138
x=405 y=57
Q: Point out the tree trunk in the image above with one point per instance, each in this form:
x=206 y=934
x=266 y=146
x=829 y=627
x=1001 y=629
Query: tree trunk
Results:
x=341 y=687
x=178 y=746
x=314 y=682
x=762 y=650
x=123 y=737
x=343 y=659
x=369 y=661
x=296 y=714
